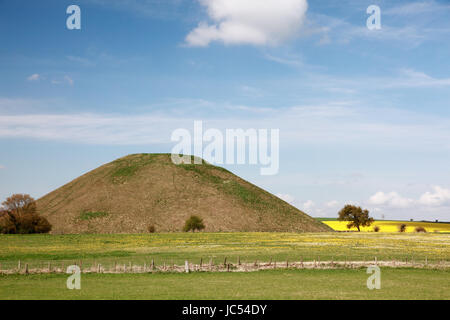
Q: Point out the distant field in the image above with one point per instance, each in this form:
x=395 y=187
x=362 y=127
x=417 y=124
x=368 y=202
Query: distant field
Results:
x=389 y=226
x=39 y=250
x=278 y=284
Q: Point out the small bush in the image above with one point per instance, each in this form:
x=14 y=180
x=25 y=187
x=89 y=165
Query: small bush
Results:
x=193 y=223
x=420 y=229
x=402 y=228
x=376 y=229
x=151 y=229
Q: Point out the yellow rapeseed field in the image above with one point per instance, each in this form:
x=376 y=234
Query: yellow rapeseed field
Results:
x=391 y=226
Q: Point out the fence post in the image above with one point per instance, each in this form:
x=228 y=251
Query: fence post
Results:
x=26 y=268
x=186 y=266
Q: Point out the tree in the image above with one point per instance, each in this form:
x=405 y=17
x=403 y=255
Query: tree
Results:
x=193 y=223
x=356 y=216
x=20 y=204
x=20 y=216
x=7 y=225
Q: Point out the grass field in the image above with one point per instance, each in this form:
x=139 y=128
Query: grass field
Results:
x=403 y=283
x=279 y=284
x=390 y=226
x=38 y=250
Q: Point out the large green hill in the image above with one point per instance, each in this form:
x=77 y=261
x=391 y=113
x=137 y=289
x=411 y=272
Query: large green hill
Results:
x=133 y=192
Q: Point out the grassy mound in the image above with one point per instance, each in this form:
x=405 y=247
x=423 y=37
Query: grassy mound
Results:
x=133 y=192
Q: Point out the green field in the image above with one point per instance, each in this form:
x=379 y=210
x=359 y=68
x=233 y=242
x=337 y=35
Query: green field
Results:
x=279 y=284
x=37 y=251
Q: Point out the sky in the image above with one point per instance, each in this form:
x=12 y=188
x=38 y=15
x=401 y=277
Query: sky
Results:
x=364 y=115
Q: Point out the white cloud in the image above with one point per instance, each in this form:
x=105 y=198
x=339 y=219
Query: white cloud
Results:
x=66 y=79
x=321 y=124
x=82 y=61
x=440 y=196
x=34 y=77
x=308 y=205
x=286 y=197
x=412 y=78
x=255 y=22
x=90 y=128
x=253 y=92
x=293 y=61
x=392 y=199
x=331 y=29
x=416 y=8
x=332 y=204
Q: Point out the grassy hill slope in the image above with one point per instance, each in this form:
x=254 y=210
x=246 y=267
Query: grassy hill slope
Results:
x=133 y=192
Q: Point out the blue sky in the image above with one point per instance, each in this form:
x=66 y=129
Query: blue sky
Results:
x=363 y=114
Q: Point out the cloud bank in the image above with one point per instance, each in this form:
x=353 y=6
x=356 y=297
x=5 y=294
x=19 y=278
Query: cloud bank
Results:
x=439 y=196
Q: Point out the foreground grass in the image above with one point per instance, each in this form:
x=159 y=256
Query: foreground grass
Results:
x=38 y=250
x=277 y=284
